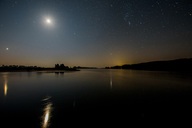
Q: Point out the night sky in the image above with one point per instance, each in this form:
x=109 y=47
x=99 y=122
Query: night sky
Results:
x=94 y=32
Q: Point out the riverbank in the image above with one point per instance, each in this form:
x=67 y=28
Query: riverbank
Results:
x=37 y=69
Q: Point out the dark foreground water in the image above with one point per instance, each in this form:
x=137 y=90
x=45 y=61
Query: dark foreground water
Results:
x=94 y=98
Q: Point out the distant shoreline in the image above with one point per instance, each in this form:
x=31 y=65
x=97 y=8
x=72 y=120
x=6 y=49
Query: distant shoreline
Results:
x=36 y=70
x=179 y=65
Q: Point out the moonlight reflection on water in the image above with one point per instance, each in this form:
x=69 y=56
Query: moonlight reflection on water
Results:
x=46 y=114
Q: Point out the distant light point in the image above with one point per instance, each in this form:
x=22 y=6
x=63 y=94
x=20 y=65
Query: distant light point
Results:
x=7 y=49
x=129 y=23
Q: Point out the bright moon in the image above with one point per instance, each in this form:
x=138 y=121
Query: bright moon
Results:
x=48 y=21
x=7 y=49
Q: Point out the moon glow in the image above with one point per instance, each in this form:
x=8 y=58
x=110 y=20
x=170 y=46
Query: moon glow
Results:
x=48 y=21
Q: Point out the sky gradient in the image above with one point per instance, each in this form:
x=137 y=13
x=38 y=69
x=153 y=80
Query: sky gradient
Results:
x=94 y=32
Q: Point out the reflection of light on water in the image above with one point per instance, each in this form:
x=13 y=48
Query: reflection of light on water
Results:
x=46 y=115
x=111 y=81
x=74 y=104
x=5 y=89
x=46 y=118
x=5 y=85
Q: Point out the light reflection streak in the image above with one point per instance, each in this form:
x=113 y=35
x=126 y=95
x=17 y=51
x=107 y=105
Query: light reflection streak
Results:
x=74 y=102
x=5 y=85
x=46 y=114
x=111 y=80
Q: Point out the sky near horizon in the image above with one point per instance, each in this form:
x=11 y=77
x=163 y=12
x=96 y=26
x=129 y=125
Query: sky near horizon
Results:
x=94 y=32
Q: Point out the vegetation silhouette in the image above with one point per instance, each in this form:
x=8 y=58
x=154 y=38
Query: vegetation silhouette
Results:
x=20 y=68
x=183 y=65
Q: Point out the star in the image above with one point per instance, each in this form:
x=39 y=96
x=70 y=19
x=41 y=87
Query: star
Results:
x=129 y=23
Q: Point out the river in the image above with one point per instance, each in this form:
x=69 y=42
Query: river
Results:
x=95 y=97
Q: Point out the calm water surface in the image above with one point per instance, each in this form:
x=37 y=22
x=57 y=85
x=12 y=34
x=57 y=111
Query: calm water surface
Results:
x=93 y=97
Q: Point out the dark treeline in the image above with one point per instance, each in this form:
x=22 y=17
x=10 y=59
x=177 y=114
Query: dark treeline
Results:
x=12 y=68
x=79 y=67
x=19 y=67
x=61 y=66
x=171 y=65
